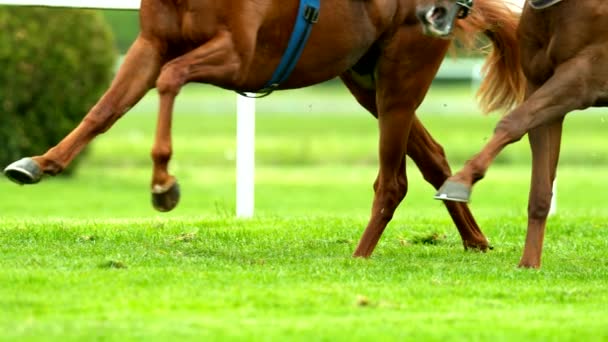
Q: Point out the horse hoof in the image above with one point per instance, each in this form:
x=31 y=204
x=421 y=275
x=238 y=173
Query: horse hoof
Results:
x=478 y=246
x=24 y=171
x=453 y=191
x=529 y=265
x=165 y=199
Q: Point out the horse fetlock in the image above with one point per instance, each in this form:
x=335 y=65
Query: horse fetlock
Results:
x=163 y=187
x=385 y=207
x=161 y=154
x=477 y=176
x=474 y=171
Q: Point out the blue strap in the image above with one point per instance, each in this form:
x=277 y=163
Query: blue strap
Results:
x=308 y=14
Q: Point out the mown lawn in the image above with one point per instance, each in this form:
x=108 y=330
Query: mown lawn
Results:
x=87 y=258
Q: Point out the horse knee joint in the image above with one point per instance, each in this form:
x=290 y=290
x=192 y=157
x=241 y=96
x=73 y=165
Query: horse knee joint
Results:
x=539 y=206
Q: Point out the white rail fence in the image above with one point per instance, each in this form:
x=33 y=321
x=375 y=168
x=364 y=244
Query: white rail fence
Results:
x=245 y=135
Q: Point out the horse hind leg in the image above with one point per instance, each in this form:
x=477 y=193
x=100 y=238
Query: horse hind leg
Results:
x=134 y=78
x=215 y=60
x=545 y=145
x=571 y=87
x=430 y=158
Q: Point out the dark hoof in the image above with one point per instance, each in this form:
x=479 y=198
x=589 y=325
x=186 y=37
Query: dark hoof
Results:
x=165 y=199
x=24 y=171
x=481 y=247
x=453 y=191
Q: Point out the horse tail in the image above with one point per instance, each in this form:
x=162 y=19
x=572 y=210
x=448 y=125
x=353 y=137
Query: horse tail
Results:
x=504 y=83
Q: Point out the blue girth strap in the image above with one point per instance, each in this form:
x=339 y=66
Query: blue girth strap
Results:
x=308 y=14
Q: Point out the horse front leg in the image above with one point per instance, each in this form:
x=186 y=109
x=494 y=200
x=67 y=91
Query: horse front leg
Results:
x=134 y=78
x=431 y=160
x=545 y=145
x=215 y=60
x=390 y=186
x=402 y=83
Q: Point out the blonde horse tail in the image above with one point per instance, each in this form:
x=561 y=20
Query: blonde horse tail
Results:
x=503 y=85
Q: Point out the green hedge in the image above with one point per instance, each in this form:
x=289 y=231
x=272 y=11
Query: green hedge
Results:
x=55 y=65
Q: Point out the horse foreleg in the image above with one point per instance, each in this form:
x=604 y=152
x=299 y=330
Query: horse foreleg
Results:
x=135 y=77
x=430 y=158
x=545 y=145
x=570 y=88
x=401 y=86
x=215 y=60
x=390 y=186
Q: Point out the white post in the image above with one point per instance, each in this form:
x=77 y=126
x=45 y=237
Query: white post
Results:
x=553 y=209
x=245 y=156
x=476 y=76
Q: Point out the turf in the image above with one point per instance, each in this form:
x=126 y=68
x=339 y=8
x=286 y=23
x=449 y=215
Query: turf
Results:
x=86 y=258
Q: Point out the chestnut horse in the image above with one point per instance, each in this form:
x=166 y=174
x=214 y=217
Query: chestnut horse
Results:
x=377 y=47
x=564 y=48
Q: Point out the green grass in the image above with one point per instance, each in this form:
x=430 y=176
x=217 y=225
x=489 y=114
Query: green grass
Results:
x=87 y=258
x=272 y=279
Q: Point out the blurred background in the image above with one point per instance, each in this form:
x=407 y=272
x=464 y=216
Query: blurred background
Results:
x=316 y=149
